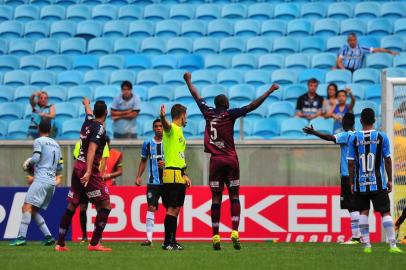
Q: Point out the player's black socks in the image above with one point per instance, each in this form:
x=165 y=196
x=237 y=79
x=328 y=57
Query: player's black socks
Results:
x=99 y=225
x=83 y=222
x=235 y=213
x=170 y=229
x=215 y=217
x=402 y=218
x=64 y=226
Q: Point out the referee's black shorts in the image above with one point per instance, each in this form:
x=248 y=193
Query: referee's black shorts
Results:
x=346 y=196
x=173 y=195
x=380 y=201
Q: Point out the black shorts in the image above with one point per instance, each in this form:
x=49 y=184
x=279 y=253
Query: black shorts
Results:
x=380 y=201
x=173 y=195
x=154 y=192
x=346 y=197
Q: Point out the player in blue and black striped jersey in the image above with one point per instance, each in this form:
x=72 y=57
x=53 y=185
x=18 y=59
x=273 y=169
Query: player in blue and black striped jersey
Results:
x=152 y=152
x=369 y=158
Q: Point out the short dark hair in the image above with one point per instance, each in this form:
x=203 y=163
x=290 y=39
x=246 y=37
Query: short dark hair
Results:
x=348 y=121
x=312 y=80
x=177 y=110
x=45 y=126
x=367 y=116
x=126 y=84
x=156 y=121
x=352 y=34
x=342 y=91
x=221 y=102
x=99 y=109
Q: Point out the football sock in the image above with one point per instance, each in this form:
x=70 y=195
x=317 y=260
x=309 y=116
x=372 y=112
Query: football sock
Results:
x=83 y=223
x=402 y=218
x=215 y=217
x=99 y=225
x=387 y=223
x=41 y=224
x=25 y=222
x=235 y=213
x=364 y=228
x=170 y=228
x=64 y=226
x=354 y=225
x=150 y=225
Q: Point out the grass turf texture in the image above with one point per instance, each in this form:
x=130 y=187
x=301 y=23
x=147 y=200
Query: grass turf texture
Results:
x=201 y=256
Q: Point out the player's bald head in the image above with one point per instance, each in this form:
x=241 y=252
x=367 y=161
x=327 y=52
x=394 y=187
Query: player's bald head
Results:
x=221 y=102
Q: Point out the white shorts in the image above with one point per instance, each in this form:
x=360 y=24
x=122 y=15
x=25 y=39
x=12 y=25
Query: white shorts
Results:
x=40 y=194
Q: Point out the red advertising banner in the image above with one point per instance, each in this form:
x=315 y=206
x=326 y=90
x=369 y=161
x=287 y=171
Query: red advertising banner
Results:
x=288 y=214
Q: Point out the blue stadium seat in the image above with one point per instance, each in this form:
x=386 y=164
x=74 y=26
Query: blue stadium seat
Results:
x=399 y=27
x=126 y=46
x=16 y=78
x=356 y=26
x=174 y=77
x=326 y=28
x=179 y=45
x=367 y=10
x=3 y=129
x=130 y=13
x=379 y=28
x=241 y=93
x=340 y=11
x=182 y=12
x=6 y=13
x=286 y=11
x=312 y=45
x=266 y=128
x=338 y=76
x=393 y=10
x=359 y=106
x=211 y=91
x=164 y=62
x=92 y=2
x=257 y=77
x=149 y=77
x=21 y=47
x=65 y=111
x=6 y=93
x=217 y=62
x=137 y=62
x=373 y=93
x=323 y=125
x=259 y=113
x=70 y=78
x=3 y=46
x=118 y=76
x=229 y=77
x=293 y=127
x=52 y=13
x=285 y=45
x=46 y=46
x=247 y=28
x=260 y=11
x=71 y=129
x=208 y=12
x=147 y=112
x=220 y=28
x=247 y=128
x=335 y=43
x=42 y=78
x=8 y=63
x=395 y=72
x=358 y=91
x=399 y=61
x=305 y=75
x=190 y=129
x=11 y=29
x=366 y=76
x=203 y=77
x=96 y=77
x=271 y=61
x=65 y=2
x=100 y=46
x=234 y=11
x=18 y=129
x=107 y=93
x=259 y=45
x=379 y=60
x=89 y=29
x=25 y=13
x=36 y=29
x=194 y=113
x=73 y=46
x=56 y=93
x=191 y=62
x=297 y=61
x=280 y=110
x=104 y=13
x=182 y=95
x=273 y=28
x=141 y=91
x=111 y=62
x=193 y=29
x=22 y=93
x=293 y=92
x=232 y=45
x=85 y=62
x=167 y=29
x=394 y=43
x=206 y=45
x=153 y=46
x=284 y=76
x=369 y=41
x=115 y=29
x=10 y=111
x=77 y=93
x=244 y=62
x=32 y=62
x=160 y=94
x=78 y=13
x=62 y=29
x=313 y=11
x=299 y=28
x=156 y=12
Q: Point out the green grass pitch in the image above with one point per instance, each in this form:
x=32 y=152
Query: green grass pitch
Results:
x=253 y=256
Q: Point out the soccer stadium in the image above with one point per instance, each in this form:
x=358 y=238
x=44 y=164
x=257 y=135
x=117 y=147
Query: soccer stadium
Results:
x=174 y=134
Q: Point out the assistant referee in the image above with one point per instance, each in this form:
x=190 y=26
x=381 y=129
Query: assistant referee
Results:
x=174 y=177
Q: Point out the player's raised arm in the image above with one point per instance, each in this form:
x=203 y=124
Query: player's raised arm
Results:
x=86 y=103
x=257 y=102
x=311 y=131
x=193 y=90
x=165 y=123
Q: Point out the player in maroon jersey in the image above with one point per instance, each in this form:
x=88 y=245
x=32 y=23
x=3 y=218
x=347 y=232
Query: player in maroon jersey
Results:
x=224 y=165
x=86 y=178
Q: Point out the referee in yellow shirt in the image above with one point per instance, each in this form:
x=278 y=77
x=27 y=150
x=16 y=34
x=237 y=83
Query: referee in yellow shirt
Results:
x=174 y=178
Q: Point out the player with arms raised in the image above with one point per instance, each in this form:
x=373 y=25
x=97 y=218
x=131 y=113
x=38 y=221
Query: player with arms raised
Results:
x=368 y=159
x=224 y=165
x=86 y=178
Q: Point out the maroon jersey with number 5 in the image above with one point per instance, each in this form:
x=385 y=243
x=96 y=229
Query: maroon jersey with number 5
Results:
x=219 y=133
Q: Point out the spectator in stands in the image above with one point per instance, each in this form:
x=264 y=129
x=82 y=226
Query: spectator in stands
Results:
x=337 y=112
x=352 y=54
x=40 y=110
x=331 y=100
x=310 y=105
x=124 y=111
x=113 y=166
